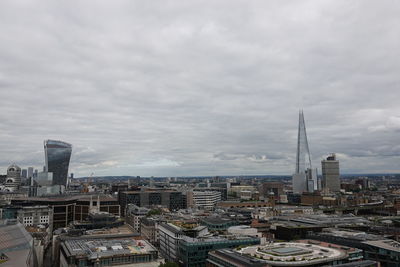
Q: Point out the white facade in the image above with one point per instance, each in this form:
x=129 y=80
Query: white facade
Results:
x=206 y=199
x=35 y=215
x=169 y=241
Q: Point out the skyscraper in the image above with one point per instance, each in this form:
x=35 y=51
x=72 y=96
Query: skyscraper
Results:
x=30 y=172
x=330 y=173
x=305 y=177
x=57 y=156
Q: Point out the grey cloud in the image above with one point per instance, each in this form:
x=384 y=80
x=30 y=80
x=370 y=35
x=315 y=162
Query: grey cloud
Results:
x=199 y=88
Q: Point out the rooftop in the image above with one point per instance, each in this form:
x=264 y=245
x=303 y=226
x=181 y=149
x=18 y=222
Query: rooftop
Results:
x=293 y=253
x=106 y=248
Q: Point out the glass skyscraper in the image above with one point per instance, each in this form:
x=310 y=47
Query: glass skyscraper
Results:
x=57 y=156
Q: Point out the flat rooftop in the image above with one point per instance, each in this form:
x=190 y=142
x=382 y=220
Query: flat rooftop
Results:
x=93 y=249
x=293 y=253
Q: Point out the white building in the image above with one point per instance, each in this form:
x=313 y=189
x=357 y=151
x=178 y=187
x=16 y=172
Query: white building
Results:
x=169 y=241
x=206 y=199
x=35 y=215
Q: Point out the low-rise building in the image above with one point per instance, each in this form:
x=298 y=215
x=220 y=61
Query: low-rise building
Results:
x=100 y=252
x=301 y=253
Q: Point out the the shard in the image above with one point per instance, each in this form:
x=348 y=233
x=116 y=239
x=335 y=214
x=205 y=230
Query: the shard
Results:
x=305 y=178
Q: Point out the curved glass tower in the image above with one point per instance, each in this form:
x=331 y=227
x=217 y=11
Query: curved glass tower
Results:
x=57 y=155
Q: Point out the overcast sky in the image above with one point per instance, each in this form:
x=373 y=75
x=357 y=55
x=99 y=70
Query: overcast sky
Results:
x=186 y=88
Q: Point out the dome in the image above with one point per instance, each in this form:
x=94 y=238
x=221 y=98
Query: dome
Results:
x=13 y=167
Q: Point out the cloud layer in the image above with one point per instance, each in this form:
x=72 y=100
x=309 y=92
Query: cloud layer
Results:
x=169 y=88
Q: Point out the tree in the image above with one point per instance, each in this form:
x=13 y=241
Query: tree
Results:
x=169 y=264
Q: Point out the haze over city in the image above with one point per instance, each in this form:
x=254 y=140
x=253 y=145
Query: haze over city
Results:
x=176 y=88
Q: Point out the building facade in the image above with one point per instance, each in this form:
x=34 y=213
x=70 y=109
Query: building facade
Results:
x=13 y=180
x=35 y=215
x=206 y=199
x=57 y=157
x=330 y=173
x=173 y=200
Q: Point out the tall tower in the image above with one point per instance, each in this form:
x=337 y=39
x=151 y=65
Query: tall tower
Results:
x=330 y=173
x=305 y=178
x=57 y=156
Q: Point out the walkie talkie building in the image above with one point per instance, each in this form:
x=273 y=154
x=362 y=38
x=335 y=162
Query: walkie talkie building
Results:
x=57 y=156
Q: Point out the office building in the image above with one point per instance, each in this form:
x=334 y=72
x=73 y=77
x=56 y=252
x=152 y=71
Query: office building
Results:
x=330 y=173
x=57 y=157
x=35 y=215
x=24 y=173
x=30 y=172
x=173 y=200
x=194 y=251
x=134 y=214
x=305 y=178
x=374 y=247
x=206 y=199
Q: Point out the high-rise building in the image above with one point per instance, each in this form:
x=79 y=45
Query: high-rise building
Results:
x=330 y=173
x=57 y=156
x=24 y=173
x=305 y=178
x=30 y=172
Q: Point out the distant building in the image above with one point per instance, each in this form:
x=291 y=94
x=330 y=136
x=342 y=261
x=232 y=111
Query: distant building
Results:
x=24 y=173
x=30 y=172
x=330 y=173
x=305 y=178
x=266 y=188
x=206 y=199
x=13 y=180
x=173 y=200
x=57 y=156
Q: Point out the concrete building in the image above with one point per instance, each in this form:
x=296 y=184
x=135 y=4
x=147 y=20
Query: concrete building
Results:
x=206 y=199
x=100 y=252
x=13 y=180
x=330 y=173
x=134 y=214
x=35 y=215
x=170 y=235
x=149 y=230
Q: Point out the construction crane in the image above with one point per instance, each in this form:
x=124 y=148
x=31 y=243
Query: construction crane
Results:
x=88 y=181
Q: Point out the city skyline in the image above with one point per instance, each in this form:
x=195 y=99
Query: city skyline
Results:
x=193 y=89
